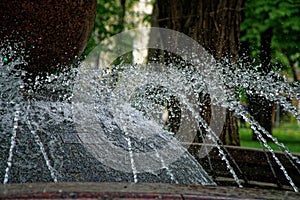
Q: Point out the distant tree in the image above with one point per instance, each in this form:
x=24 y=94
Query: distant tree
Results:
x=113 y=17
x=271 y=36
x=110 y=20
x=280 y=16
x=215 y=24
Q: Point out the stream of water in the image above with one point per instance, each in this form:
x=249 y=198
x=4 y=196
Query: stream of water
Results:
x=119 y=117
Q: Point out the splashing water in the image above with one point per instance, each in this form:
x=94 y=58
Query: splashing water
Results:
x=271 y=88
x=13 y=144
x=116 y=117
x=147 y=86
x=37 y=148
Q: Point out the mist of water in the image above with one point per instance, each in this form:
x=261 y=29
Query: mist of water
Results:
x=120 y=111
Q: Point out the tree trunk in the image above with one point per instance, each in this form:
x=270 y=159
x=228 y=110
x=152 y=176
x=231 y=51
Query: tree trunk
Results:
x=215 y=24
x=265 y=51
x=122 y=14
x=259 y=107
x=293 y=68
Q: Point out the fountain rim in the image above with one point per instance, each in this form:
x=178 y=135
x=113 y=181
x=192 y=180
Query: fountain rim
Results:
x=108 y=190
x=245 y=148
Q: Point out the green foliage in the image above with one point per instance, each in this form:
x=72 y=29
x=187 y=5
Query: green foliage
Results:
x=113 y=16
x=108 y=19
x=287 y=133
x=107 y=23
x=283 y=16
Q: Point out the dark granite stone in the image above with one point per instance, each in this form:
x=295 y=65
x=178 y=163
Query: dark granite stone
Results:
x=57 y=142
x=49 y=34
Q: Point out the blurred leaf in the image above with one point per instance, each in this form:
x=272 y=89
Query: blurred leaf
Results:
x=283 y=16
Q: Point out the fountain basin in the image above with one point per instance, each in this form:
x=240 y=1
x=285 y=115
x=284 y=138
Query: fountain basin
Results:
x=49 y=34
x=255 y=168
x=136 y=191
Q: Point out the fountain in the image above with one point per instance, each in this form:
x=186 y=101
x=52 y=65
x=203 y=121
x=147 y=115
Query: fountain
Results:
x=42 y=141
x=108 y=126
x=50 y=140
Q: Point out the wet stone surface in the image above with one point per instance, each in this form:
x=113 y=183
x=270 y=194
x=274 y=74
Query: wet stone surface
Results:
x=54 y=152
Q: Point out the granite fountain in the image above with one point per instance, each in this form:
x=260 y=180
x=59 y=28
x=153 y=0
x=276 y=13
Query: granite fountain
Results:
x=65 y=120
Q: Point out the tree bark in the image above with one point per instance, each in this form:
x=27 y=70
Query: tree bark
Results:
x=260 y=107
x=215 y=24
x=265 y=51
x=293 y=68
x=122 y=14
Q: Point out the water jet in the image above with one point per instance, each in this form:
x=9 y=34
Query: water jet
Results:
x=108 y=131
